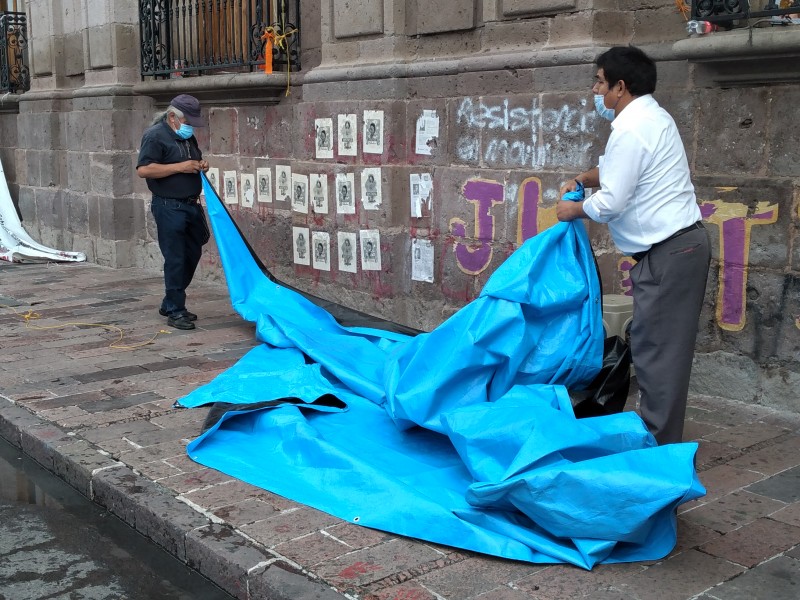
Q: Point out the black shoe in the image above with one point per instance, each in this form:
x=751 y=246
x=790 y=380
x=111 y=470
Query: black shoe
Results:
x=190 y=315
x=180 y=321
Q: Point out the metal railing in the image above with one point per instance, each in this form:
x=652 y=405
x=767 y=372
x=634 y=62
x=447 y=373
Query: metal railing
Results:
x=726 y=11
x=181 y=38
x=14 y=73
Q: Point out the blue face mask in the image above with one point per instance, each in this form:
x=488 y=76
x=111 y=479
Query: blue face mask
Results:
x=600 y=107
x=185 y=131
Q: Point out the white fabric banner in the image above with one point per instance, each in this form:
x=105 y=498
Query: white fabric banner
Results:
x=15 y=244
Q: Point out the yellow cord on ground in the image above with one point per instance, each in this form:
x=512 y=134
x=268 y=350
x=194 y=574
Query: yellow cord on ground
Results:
x=30 y=316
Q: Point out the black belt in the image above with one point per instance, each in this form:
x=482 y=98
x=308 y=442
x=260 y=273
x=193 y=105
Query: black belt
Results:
x=189 y=200
x=638 y=256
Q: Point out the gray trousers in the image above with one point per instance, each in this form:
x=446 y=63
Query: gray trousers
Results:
x=669 y=286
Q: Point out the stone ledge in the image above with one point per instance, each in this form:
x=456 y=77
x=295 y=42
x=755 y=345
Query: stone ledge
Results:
x=224 y=89
x=744 y=56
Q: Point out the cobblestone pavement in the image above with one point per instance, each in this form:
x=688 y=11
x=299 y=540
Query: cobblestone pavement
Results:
x=102 y=418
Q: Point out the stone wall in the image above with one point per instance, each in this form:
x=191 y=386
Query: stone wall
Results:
x=509 y=81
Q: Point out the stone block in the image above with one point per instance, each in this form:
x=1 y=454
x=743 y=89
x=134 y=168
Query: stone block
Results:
x=519 y=8
x=27 y=205
x=663 y=24
x=280 y=582
x=224 y=556
x=439 y=16
x=571 y=30
x=111 y=174
x=73 y=53
x=735 y=140
x=567 y=78
x=353 y=18
x=147 y=507
x=101 y=53
x=339 y=52
x=99 y=12
x=446 y=44
x=612 y=27
x=114 y=253
x=490 y=83
x=784 y=139
x=50 y=207
x=224 y=122
x=726 y=374
x=78 y=171
x=122 y=219
x=77 y=208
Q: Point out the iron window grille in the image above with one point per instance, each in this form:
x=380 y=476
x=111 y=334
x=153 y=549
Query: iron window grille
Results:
x=182 y=38
x=725 y=11
x=14 y=73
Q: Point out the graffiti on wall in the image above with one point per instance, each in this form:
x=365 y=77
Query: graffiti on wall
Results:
x=519 y=136
x=735 y=222
x=473 y=253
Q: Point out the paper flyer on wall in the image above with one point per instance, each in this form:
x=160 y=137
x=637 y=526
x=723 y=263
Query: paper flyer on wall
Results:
x=248 y=190
x=422 y=260
x=427 y=132
x=15 y=243
x=264 y=177
x=323 y=137
x=319 y=192
x=231 y=191
x=373 y=131
x=347 y=142
x=421 y=189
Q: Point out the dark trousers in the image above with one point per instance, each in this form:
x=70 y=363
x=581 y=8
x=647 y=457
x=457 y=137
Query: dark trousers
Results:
x=182 y=231
x=669 y=286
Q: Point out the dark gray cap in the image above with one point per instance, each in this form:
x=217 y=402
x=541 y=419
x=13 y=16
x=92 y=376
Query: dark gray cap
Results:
x=190 y=107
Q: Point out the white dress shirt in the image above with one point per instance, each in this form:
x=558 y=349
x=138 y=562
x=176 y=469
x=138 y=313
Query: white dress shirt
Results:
x=645 y=192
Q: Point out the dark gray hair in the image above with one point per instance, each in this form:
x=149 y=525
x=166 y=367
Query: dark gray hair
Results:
x=163 y=115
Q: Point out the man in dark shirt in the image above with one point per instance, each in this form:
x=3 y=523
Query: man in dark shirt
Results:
x=170 y=160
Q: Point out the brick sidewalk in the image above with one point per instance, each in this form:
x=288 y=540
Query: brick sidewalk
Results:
x=102 y=419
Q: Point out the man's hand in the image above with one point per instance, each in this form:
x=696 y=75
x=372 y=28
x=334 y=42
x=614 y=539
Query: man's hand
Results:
x=189 y=166
x=204 y=166
x=568 y=210
x=569 y=186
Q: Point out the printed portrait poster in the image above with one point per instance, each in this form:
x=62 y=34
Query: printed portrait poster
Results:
x=300 y=245
x=231 y=194
x=371 y=188
x=422 y=260
x=213 y=178
x=345 y=199
x=370 y=249
x=264 y=188
x=321 y=250
x=373 y=132
x=248 y=190
x=323 y=137
x=348 y=259
x=283 y=183
x=300 y=193
x=347 y=142
x=318 y=194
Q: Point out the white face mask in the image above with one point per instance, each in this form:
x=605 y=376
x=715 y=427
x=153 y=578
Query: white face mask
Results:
x=600 y=107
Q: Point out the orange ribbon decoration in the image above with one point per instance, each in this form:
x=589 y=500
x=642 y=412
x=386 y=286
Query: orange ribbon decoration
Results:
x=269 y=39
x=272 y=39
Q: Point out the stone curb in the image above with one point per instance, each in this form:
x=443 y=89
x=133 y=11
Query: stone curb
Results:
x=218 y=552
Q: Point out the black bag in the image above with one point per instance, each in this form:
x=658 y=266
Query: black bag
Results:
x=608 y=392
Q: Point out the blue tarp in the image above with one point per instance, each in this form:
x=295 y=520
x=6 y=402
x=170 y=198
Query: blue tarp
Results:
x=464 y=436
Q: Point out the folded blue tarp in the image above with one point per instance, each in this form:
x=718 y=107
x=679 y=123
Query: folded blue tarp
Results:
x=464 y=436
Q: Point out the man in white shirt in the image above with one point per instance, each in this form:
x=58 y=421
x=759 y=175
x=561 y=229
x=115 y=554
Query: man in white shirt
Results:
x=647 y=198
